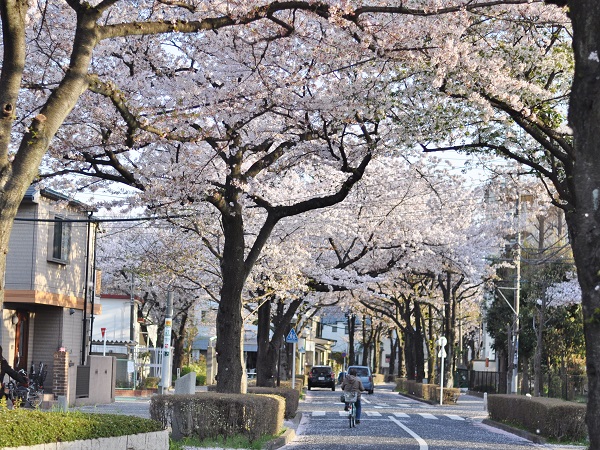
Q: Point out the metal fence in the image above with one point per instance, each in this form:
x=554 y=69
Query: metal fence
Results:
x=489 y=382
x=141 y=363
x=571 y=387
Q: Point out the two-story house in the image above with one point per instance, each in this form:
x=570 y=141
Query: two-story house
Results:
x=49 y=288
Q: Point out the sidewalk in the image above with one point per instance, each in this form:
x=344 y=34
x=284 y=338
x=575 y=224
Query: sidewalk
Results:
x=474 y=407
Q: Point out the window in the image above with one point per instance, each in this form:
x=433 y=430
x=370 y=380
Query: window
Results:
x=334 y=328
x=59 y=240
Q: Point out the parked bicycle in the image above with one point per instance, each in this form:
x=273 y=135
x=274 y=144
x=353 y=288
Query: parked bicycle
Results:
x=32 y=391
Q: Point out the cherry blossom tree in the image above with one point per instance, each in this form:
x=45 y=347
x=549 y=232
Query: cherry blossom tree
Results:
x=68 y=37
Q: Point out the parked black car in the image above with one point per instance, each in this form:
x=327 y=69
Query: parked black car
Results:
x=321 y=376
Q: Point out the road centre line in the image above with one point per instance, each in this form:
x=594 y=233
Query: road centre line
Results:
x=422 y=444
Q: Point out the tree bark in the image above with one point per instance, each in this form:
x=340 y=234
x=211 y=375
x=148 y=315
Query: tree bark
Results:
x=351 y=326
x=229 y=345
x=392 y=363
x=583 y=217
x=266 y=358
x=419 y=342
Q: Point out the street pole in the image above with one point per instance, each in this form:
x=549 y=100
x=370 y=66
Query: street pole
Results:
x=166 y=362
x=293 y=365
x=515 y=371
x=442 y=341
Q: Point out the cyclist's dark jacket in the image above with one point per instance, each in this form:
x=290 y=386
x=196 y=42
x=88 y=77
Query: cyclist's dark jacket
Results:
x=352 y=384
x=6 y=369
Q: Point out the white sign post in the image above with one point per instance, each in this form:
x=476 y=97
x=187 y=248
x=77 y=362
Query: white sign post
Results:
x=165 y=382
x=442 y=341
x=292 y=338
x=104 y=339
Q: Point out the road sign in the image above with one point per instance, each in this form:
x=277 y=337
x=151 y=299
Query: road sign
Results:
x=442 y=353
x=442 y=341
x=292 y=337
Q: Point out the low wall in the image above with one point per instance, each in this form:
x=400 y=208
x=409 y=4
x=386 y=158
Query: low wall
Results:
x=158 y=440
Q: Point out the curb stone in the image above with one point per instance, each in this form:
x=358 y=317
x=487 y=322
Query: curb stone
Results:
x=536 y=439
x=288 y=436
x=517 y=431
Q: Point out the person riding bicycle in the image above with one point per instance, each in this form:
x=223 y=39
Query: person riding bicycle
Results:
x=5 y=369
x=353 y=384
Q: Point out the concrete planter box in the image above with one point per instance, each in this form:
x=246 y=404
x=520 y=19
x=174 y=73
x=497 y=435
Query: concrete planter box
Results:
x=158 y=440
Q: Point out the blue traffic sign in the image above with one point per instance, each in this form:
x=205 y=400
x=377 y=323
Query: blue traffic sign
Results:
x=292 y=337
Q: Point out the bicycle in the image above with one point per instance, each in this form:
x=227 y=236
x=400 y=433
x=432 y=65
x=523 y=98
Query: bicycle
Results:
x=350 y=399
x=31 y=392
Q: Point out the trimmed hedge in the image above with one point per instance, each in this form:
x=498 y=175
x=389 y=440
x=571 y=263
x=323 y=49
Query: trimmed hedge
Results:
x=554 y=418
x=22 y=427
x=291 y=396
x=212 y=415
x=429 y=392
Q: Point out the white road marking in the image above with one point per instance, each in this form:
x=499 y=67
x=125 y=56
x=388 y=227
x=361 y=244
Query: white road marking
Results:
x=454 y=417
x=427 y=416
x=373 y=413
x=422 y=444
x=402 y=415
x=318 y=413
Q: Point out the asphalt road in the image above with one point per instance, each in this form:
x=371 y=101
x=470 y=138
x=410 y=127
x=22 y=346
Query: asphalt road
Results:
x=391 y=422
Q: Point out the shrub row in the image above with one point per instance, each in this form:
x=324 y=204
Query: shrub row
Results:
x=429 y=392
x=212 y=415
x=26 y=427
x=291 y=396
x=549 y=417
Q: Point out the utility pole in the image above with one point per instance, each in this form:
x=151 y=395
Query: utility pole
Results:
x=515 y=346
x=165 y=382
x=132 y=311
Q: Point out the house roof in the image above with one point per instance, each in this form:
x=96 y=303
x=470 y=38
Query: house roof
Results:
x=33 y=193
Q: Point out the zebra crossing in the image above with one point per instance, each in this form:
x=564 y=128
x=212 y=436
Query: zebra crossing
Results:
x=385 y=414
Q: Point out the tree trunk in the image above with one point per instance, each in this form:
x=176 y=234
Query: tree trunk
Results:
x=266 y=358
x=401 y=368
x=525 y=378
x=229 y=345
x=351 y=326
x=179 y=344
x=409 y=355
x=377 y=349
x=538 y=376
x=392 y=363
x=583 y=218
x=431 y=347
x=419 y=343
x=366 y=343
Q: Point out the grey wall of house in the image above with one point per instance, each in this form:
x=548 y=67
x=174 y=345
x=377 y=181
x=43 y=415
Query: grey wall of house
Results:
x=22 y=254
x=46 y=338
x=68 y=279
x=56 y=328
x=28 y=267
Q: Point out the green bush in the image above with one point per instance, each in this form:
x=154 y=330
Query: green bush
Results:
x=550 y=417
x=200 y=370
x=22 y=427
x=291 y=396
x=429 y=392
x=150 y=383
x=209 y=415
